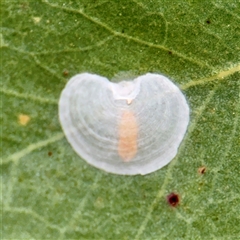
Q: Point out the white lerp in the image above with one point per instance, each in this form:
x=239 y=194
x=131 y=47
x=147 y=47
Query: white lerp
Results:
x=128 y=128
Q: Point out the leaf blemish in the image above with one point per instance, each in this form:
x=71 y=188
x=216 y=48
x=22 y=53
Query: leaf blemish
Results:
x=36 y=19
x=23 y=119
x=173 y=199
x=208 y=21
x=65 y=73
x=49 y=154
x=201 y=170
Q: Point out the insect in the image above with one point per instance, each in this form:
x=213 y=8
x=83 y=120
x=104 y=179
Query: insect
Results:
x=128 y=128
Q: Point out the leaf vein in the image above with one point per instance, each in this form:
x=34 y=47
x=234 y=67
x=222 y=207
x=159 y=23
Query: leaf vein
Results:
x=219 y=76
x=26 y=96
x=172 y=164
x=139 y=41
x=33 y=214
x=32 y=147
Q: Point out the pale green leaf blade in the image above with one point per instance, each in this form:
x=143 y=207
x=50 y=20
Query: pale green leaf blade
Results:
x=48 y=192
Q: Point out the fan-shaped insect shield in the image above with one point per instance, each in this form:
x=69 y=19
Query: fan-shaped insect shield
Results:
x=128 y=128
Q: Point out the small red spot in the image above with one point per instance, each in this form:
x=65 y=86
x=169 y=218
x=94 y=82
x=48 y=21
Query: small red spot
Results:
x=173 y=199
x=49 y=154
x=65 y=73
x=202 y=170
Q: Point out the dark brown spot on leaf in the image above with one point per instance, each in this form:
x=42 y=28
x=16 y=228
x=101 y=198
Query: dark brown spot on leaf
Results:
x=173 y=199
x=65 y=73
x=202 y=170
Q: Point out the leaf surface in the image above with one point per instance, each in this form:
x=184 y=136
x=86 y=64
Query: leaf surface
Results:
x=48 y=192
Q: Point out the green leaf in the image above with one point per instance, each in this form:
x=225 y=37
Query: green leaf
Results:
x=48 y=192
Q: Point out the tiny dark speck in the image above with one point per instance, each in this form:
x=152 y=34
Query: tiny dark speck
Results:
x=65 y=73
x=49 y=154
x=173 y=199
x=202 y=170
x=170 y=52
x=208 y=21
x=123 y=31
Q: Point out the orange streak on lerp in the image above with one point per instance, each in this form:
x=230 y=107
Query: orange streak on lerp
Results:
x=128 y=131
